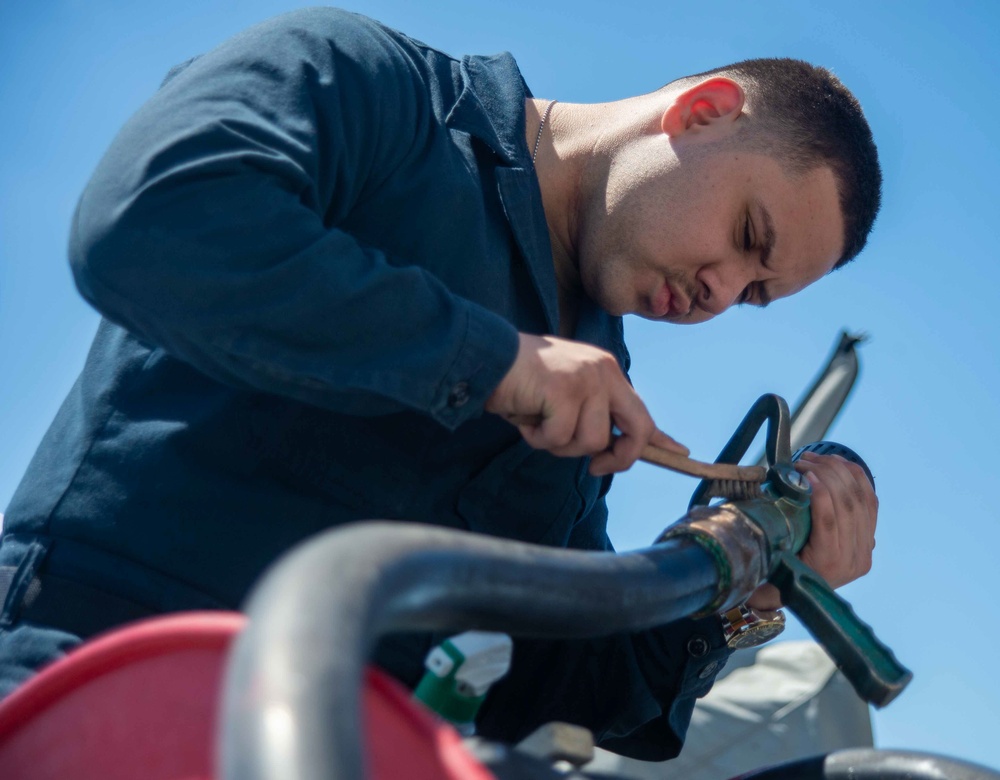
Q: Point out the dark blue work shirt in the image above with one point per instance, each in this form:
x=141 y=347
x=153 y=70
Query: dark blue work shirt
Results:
x=314 y=248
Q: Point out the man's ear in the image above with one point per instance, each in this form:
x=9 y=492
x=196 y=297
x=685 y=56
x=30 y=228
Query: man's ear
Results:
x=716 y=101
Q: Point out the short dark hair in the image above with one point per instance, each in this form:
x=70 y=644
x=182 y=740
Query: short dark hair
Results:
x=805 y=117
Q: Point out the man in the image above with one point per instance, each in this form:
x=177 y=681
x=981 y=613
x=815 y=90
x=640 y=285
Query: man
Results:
x=333 y=260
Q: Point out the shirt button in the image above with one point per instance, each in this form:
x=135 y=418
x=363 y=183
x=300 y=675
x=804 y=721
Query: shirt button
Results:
x=697 y=646
x=459 y=395
x=709 y=670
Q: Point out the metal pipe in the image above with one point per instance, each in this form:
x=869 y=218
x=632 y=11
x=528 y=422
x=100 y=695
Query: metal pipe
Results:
x=292 y=699
x=869 y=764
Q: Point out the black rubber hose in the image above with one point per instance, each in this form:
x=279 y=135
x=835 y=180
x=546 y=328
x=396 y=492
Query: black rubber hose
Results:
x=869 y=764
x=292 y=698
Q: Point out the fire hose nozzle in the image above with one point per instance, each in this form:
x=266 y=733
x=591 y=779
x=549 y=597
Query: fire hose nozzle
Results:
x=753 y=541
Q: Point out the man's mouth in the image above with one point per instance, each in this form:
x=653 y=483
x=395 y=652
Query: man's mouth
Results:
x=661 y=301
x=669 y=301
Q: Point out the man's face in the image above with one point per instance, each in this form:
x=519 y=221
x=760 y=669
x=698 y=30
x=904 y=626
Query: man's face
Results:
x=684 y=240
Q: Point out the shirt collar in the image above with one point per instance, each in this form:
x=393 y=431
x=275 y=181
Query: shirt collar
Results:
x=491 y=107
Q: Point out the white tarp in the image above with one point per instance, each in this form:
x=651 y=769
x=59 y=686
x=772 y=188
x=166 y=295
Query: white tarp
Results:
x=782 y=701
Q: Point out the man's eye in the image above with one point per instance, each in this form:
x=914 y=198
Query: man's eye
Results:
x=747 y=239
x=746 y=294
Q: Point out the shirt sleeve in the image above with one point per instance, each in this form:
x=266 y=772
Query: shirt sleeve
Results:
x=634 y=691
x=214 y=228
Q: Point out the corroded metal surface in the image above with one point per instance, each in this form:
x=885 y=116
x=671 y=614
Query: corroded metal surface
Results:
x=737 y=544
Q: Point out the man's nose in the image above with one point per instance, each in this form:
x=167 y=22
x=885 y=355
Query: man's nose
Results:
x=720 y=287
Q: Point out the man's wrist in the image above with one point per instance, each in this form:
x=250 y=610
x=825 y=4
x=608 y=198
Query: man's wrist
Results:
x=765 y=599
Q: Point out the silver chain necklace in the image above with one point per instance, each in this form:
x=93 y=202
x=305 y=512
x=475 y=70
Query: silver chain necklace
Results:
x=538 y=138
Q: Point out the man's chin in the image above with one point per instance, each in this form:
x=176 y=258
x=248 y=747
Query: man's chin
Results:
x=673 y=319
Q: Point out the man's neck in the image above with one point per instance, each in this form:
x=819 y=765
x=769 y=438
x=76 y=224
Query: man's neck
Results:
x=558 y=178
x=577 y=140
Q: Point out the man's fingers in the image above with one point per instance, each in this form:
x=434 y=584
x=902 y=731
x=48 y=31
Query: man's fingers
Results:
x=832 y=472
x=660 y=439
x=844 y=511
x=564 y=396
x=823 y=550
x=623 y=453
x=833 y=547
x=637 y=429
x=591 y=431
x=854 y=494
x=554 y=430
x=766 y=598
x=593 y=427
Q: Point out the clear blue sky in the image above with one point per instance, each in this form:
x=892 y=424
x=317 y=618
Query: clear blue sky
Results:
x=924 y=413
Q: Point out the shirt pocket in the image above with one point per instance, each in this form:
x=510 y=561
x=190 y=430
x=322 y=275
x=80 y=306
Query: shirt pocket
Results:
x=525 y=494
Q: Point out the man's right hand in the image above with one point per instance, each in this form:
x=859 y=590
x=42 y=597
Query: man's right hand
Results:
x=565 y=396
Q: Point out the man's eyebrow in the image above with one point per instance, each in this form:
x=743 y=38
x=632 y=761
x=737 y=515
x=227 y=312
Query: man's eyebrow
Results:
x=765 y=251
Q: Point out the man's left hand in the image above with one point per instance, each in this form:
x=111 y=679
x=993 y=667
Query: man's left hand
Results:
x=844 y=513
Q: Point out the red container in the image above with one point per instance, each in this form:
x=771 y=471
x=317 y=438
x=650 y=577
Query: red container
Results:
x=143 y=701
